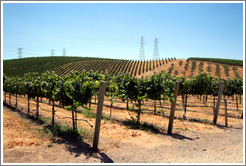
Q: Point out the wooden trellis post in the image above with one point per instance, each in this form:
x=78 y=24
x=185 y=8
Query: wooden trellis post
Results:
x=225 y=112
x=99 y=114
x=218 y=103
x=172 y=112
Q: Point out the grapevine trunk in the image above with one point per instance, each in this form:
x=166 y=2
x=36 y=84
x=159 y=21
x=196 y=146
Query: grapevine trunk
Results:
x=139 y=112
x=155 y=107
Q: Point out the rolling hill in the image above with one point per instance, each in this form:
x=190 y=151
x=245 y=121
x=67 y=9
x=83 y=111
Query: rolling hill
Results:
x=179 y=67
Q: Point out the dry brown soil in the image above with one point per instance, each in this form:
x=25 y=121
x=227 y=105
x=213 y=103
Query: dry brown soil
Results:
x=181 y=69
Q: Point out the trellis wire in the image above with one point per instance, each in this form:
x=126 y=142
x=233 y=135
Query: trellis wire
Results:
x=235 y=116
x=67 y=117
x=189 y=121
x=60 y=117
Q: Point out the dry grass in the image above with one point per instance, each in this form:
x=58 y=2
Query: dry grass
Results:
x=19 y=132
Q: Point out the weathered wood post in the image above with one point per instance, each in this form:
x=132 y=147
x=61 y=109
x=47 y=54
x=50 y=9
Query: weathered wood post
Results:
x=28 y=104
x=225 y=112
x=16 y=100
x=37 y=108
x=218 y=103
x=171 y=117
x=9 y=98
x=99 y=114
x=53 y=113
x=5 y=96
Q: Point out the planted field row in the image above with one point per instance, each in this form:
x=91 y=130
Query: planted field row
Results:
x=77 y=88
x=18 y=67
x=113 y=66
x=191 y=68
x=222 y=61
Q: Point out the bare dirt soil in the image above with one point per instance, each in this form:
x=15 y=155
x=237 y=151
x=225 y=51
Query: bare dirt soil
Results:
x=182 y=72
x=121 y=144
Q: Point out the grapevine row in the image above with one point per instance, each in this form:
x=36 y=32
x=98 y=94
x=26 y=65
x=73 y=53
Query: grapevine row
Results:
x=77 y=88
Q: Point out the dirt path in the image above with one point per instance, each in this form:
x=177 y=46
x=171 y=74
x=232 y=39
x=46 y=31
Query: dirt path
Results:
x=226 y=147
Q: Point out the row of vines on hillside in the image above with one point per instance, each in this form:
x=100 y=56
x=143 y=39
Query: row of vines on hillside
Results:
x=113 y=66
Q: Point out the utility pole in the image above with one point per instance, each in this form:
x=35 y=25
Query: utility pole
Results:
x=156 y=50
x=64 y=52
x=141 y=55
x=20 y=52
x=52 y=52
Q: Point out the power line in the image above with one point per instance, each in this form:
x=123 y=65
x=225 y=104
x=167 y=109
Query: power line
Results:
x=52 y=52
x=141 y=55
x=156 y=50
x=20 y=52
x=64 y=52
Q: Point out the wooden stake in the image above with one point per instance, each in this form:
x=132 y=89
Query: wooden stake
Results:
x=185 y=105
x=37 y=108
x=5 y=96
x=16 y=100
x=171 y=117
x=73 y=119
x=218 y=103
x=53 y=113
x=28 y=104
x=9 y=98
x=127 y=107
x=99 y=114
x=225 y=112
x=76 y=118
x=236 y=102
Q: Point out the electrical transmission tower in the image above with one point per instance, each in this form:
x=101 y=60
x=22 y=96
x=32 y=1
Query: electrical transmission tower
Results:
x=141 y=55
x=20 y=52
x=64 y=52
x=52 y=52
x=156 y=51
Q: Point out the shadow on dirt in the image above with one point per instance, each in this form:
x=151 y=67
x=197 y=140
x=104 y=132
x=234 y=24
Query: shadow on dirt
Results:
x=179 y=136
x=72 y=139
x=79 y=147
x=131 y=123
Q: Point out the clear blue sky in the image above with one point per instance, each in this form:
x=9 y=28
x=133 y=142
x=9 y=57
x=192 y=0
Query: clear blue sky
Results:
x=113 y=30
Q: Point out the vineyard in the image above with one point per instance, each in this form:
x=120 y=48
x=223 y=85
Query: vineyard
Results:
x=76 y=89
x=222 y=61
x=112 y=66
x=133 y=104
x=63 y=65
x=176 y=67
x=18 y=67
